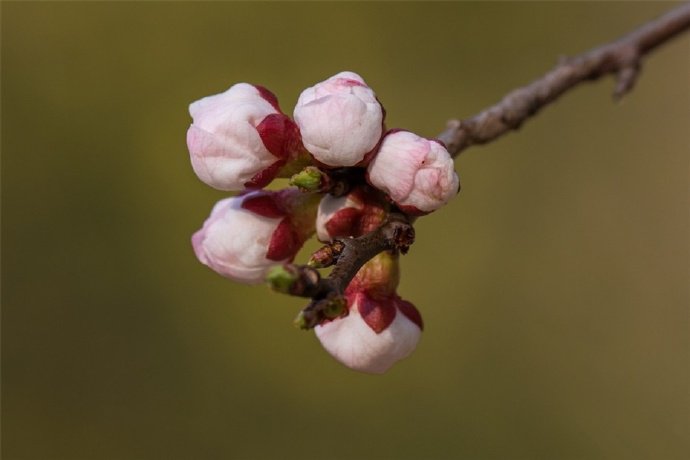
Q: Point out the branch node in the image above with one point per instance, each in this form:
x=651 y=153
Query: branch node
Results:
x=625 y=79
x=403 y=237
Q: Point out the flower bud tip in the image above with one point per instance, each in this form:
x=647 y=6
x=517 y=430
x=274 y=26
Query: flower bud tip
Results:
x=300 y=322
x=281 y=279
x=327 y=255
x=315 y=263
x=310 y=179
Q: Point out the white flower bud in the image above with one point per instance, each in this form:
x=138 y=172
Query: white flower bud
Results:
x=247 y=235
x=374 y=335
x=340 y=120
x=418 y=174
x=240 y=138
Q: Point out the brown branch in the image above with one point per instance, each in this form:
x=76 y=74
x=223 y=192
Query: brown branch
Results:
x=621 y=58
x=348 y=255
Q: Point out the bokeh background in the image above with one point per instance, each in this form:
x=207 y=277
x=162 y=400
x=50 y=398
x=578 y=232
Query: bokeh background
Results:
x=554 y=288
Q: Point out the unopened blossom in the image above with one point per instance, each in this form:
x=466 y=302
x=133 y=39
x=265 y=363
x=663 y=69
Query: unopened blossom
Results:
x=248 y=234
x=340 y=120
x=355 y=214
x=380 y=328
x=418 y=174
x=353 y=342
x=240 y=138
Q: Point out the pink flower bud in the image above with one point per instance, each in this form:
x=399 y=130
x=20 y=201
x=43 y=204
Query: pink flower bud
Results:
x=336 y=217
x=240 y=138
x=248 y=234
x=375 y=334
x=418 y=174
x=355 y=214
x=380 y=328
x=340 y=119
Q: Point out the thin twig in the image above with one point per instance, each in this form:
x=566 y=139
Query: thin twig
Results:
x=622 y=58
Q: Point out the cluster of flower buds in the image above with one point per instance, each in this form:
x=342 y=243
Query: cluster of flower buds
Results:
x=240 y=140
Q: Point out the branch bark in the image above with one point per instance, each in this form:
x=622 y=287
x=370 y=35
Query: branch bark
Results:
x=348 y=256
x=622 y=58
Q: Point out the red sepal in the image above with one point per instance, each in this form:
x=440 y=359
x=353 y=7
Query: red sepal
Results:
x=284 y=242
x=357 y=221
x=378 y=314
x=411 y=312
x=279 y=134
x=440 y=142
x=265 y=176
x=343 y=223
x=372 y=218
x=268 y=96
x=352 y=81
x=396 y=130
x=263 y=205
x=412 y=210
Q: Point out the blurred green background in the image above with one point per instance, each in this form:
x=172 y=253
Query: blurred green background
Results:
x=554 y=288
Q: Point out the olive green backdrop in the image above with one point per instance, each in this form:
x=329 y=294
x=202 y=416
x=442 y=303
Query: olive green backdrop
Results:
x=554 y=288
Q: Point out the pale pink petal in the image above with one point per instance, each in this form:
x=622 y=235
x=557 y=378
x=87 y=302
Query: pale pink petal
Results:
x=340 y=120
x=353 y=343
x=225 y=147
x=416 y=173
x=235 y=241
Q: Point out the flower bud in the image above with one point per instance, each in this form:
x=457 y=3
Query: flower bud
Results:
x=240 y=138
x=340 y=120
x=281 y=279
x=380 y=327
x=355 y=214
x=375 y=334
x=418 y=174
x=310 y=179
x=248 y=234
